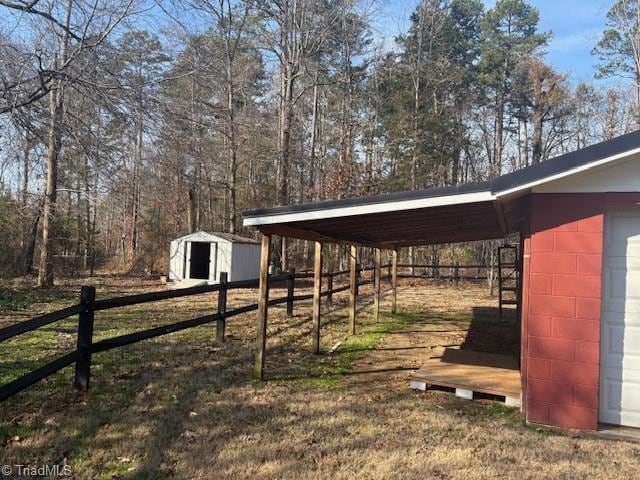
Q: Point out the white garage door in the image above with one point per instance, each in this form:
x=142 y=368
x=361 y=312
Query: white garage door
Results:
x=620 y=342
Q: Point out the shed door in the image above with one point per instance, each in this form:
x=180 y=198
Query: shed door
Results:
x=620 y=341
x=200 y=260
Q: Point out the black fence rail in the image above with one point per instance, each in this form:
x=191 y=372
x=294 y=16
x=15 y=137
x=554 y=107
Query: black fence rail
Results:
x=88 y=305
x=444 y=272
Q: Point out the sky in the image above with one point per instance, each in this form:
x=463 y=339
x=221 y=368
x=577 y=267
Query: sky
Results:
x=576 y=26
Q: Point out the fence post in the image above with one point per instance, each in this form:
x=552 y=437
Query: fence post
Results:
x=85 y=334
x=330 y=288
x=221 y=321
x=291 y=282
x=456 y=274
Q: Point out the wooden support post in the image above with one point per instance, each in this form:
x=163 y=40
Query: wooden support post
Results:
x=376 y=286
x=263 y=303
x=394 y=282
x=291 y=282
x=330 y=288
x=85 y=335
x=389 y=270
x=317 y=290
x=353 y=278
x=221 y=321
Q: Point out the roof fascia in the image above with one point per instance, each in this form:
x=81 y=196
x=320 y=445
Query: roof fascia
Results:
x=378 y=207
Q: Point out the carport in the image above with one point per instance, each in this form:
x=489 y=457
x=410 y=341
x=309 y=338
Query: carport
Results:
x=557 y=207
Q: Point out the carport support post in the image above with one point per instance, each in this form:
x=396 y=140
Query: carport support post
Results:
x=376 y=286
x=394 y=281
x=263 y=304
x=317 y=291
x=353 y=278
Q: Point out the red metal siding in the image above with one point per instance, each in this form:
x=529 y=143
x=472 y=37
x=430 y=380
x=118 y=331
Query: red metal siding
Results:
x=561 y=307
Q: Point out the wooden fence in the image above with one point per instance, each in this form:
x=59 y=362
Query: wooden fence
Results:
x=88 y=305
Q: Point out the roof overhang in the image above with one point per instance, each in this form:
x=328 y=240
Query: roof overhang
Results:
x=370 y=208
x=451 y=214
x=393 y=224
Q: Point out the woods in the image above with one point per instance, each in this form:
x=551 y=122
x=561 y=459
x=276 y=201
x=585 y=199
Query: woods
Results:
x=127 y=123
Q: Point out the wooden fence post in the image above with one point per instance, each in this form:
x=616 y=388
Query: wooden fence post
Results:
x=263 y=305
x=85 y=335
x=221 y=321
x=456 y=274
x=394 y=281
x=317 y=290
x=291 y=282
x=376 y=285
x=353 y=278
x=330 y=288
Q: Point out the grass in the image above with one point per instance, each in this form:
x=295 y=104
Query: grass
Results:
x=182 y=406
x=331 y=374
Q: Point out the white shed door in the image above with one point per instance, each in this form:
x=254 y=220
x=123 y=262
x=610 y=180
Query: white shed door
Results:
x=620 y=341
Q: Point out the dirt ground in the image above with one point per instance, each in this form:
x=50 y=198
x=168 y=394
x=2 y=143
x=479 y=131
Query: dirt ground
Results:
x=182 y=406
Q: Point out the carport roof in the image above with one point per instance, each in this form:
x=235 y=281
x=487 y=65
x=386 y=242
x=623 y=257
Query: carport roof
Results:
x=477 y=211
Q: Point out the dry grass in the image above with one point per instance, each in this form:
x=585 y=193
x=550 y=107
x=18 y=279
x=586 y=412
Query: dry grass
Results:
x=181 y=406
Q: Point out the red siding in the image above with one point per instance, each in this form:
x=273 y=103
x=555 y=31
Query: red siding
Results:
x=561 y=307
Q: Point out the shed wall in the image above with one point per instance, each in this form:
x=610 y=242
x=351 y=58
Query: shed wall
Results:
x=224 y=261
x=246 y=262
x=176 y=260
x=561 y=306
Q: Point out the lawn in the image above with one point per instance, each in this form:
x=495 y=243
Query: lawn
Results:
x=183 y=406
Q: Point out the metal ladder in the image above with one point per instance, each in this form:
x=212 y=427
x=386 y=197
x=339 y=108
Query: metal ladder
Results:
x=508 y=277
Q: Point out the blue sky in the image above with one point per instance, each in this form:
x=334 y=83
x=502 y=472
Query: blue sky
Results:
x=576 y=26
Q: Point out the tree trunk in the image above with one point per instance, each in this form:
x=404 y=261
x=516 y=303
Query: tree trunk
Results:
x=233 y=148
x=313 y=188
x=31 y=245
x=537 y=137
x=496 y=167
x=284 y=137
x=191 y=211
x=46 y=273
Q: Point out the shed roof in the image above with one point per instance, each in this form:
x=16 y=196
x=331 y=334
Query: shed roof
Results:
x=203 y=236
x=455 y=213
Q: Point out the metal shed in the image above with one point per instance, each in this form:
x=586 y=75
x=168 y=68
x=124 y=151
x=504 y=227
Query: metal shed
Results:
x=204 y=255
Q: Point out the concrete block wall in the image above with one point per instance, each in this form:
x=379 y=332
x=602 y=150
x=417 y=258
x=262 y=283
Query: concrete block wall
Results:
x=561 y=306
x=563 y=313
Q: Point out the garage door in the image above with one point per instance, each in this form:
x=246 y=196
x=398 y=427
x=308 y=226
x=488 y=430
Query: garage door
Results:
x=620 y=342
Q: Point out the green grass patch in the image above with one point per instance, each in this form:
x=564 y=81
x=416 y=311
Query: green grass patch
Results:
x=15 y=299
x=331 y=373
x=500 y=410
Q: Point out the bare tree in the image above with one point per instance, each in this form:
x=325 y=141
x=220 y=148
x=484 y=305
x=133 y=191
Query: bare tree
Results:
x=60 y=37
